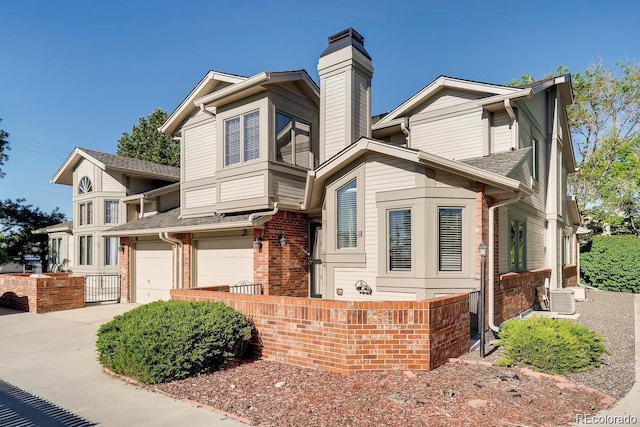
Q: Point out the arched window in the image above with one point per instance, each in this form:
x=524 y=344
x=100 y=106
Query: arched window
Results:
x=85 y=185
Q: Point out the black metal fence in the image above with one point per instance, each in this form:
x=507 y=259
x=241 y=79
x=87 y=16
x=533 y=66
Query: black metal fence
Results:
x=101 y=287
x=246 y=287
x=474 y=307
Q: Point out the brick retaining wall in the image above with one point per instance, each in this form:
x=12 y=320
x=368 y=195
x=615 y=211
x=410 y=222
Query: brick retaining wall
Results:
x=569 y=276
x=41 y=294
x=518 y=292
x=348 y=336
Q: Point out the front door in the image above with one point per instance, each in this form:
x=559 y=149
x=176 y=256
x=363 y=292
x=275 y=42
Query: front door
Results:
x=316 y=276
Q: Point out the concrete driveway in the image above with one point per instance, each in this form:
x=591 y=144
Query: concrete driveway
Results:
x=53 y=356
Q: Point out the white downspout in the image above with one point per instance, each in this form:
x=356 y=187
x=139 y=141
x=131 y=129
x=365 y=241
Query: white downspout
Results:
x=404 y=126
x=490 y=254
x=206 y=111
x=255 y=215
x=164 y=236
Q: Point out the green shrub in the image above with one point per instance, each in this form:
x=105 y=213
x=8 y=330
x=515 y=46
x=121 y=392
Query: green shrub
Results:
x=168 y=340
x=554 y=346
x=612 y=263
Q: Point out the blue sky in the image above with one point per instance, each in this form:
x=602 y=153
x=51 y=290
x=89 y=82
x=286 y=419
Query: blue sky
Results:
x=79 y=73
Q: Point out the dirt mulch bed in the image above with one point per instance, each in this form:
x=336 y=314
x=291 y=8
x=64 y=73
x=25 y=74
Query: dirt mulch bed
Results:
x=611 y=314
x=275 y=394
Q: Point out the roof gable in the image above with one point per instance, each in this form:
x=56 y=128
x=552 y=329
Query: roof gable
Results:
x=440 y=83
x=106 y=161
x=212 y=81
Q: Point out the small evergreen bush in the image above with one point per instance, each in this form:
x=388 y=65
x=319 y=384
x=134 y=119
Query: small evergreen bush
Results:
x=169 y=340
x=554 y=346
x=612 y=263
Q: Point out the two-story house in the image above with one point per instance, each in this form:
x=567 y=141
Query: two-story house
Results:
x=101 y=185
x=299 y=188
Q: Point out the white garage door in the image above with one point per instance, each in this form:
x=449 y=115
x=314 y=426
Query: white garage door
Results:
x=154 y=269
x=224 y=261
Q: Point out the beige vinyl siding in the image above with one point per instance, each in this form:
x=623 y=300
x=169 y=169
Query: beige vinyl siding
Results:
x=132 y=212
x=242 y=188
x=453 y=137
x=199 y=198
x=110 y=183
x=447 y=98
x=288 y=188
x=501 y=132
x=360 y=107
x=446 y=179
x=169 y=201
x=536 y=237
x=382 y=173
x=537 y=106
x=335 y=111
x=200 y=151
x=345 y=279
x=399 y=139
x=85 y=168
x=140 y=185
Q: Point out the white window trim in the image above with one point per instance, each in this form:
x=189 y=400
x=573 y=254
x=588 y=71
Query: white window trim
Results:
x=88 y=217
x=85 y=185
x=88 y=253
x=387 y=249
x=241 y=118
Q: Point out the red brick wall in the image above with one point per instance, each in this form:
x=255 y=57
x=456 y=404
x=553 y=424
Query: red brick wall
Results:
x=569 y=275
x=351 y=337
x=283 y=271
x=124 y=259
x=41 y=294
x=518 y=292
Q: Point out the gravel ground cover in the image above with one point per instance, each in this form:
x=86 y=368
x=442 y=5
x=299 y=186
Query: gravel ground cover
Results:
x=611 y=314
x=275 y=394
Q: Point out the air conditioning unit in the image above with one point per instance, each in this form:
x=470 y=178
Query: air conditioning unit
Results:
x=562 y=301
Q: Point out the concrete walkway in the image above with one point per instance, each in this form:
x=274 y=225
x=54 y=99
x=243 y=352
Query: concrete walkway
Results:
x=629 y=406
x=53 y=356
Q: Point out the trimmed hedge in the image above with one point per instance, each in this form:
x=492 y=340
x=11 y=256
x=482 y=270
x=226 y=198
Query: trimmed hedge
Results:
x=170 y=340
x=554 y=346
x=612 y=263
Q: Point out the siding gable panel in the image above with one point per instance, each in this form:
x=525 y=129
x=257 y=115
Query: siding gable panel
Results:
x=200 y=151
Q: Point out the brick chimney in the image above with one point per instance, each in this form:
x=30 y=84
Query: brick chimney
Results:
x=345 y=70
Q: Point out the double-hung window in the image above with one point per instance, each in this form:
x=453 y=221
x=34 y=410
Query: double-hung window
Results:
x=111 y=211
x=85 y=213
x=110 y=251
x=293 y=141
x=347 y=216
x=450 y=239
x=399 y=228
x=55 y=251
x=242 y=139
x=85 y=249
x=517 y=245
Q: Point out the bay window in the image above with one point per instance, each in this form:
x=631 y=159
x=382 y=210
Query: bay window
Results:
x=293 y=141
x=450 y=239
x=242 y=138
x=399 y=234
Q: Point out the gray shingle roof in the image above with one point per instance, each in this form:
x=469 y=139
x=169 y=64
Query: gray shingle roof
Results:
x=499 y=163
x=171 y=219
x=135 y=165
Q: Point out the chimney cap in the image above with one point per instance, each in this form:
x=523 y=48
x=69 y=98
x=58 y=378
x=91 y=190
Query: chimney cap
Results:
x=345 y=38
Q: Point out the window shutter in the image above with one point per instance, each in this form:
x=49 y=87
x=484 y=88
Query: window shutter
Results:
x=450 y=229
x=232 y=141
x=400 y=240
x=251 y=136
x=347 y=216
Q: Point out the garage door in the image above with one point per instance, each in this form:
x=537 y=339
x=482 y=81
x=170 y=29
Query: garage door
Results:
x=224 y=261
x=154 y=269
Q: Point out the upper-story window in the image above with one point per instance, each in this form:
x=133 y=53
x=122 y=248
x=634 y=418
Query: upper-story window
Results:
x=347 y=216
x=85 y=213
x=242 y=138
x=111 y=208
x=293 y=140
x=85 y=185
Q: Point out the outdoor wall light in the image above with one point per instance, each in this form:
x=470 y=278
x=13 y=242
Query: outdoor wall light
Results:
x=121 y=248
x=258 y=243
x=482 y=248
x=283 y=240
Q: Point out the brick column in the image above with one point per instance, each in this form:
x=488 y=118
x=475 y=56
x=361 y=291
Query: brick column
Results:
x=124 y=261
x=283 y=271
x=186 y=259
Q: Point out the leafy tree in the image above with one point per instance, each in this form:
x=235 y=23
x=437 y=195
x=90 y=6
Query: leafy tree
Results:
x=4 y=147
x=605 y=128
x=146 y=143
x=18 y=221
